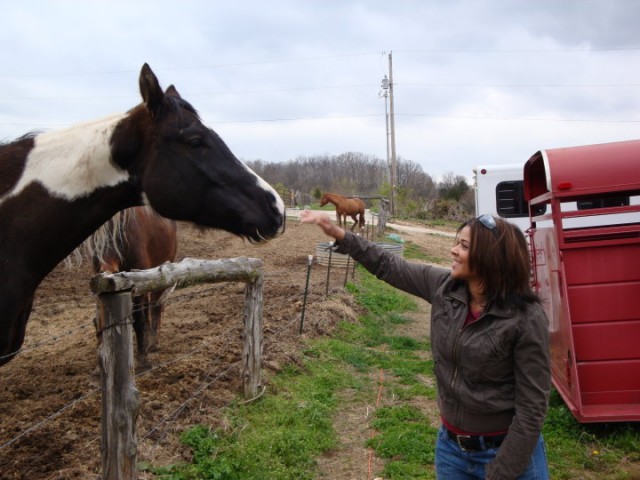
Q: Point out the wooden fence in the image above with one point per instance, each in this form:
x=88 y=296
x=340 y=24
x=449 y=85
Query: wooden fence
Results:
x=120 y=399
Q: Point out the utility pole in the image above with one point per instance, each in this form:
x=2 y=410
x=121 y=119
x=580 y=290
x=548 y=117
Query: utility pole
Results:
x=392 y=132
x=387 y=93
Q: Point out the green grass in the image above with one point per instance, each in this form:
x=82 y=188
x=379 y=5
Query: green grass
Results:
x=415 y=252
x=602 y=448
x=277 y=437
x=327 y=207
x=405 y=439
x=379 y=298
x=280 y=436
x=450 y=224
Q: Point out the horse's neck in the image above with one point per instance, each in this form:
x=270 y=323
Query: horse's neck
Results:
x=108 y=238
x=67 y=189
x=73 y=163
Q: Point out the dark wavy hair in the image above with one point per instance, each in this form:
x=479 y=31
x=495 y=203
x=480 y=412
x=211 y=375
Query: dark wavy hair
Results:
x=500 y=257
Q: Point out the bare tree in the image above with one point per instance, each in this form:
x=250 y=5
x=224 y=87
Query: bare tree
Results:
x=350 y=173
x=453 y=187
x=413 y=178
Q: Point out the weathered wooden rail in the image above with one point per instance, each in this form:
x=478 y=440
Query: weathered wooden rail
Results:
x=120 y=399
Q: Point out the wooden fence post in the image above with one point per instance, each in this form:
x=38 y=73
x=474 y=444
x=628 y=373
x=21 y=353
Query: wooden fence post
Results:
x=252 y=350
x=382 y=218
x=190 y=272
x=120 y=398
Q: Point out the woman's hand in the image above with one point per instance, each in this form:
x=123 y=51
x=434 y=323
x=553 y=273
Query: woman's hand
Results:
x=324 y=222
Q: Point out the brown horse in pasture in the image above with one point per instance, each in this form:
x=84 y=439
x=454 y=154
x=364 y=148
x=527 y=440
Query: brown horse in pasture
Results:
x=136 y=239
x=58 y=187
x=345 y=206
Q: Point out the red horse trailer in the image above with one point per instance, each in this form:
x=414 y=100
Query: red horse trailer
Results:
x=586 y=269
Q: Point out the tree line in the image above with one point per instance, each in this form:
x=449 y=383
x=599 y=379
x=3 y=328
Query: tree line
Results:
x=303 y=180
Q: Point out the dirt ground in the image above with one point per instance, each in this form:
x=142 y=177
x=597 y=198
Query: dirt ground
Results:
x=50 y=397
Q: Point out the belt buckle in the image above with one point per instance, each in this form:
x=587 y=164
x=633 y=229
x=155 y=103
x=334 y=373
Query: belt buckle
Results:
x=460 y=443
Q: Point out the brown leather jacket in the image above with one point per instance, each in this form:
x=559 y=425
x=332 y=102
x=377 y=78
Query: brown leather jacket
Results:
x=492 y=375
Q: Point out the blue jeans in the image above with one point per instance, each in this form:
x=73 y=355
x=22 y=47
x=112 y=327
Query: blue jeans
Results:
x=453 y=463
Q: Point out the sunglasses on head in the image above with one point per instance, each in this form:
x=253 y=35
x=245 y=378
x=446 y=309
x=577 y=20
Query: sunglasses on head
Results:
x=489 y=222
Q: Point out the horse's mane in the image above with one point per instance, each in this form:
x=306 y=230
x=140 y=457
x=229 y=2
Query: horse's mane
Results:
x=109 y=237
x=27 y=136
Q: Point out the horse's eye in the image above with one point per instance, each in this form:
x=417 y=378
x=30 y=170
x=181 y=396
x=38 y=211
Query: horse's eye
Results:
x=195 y=141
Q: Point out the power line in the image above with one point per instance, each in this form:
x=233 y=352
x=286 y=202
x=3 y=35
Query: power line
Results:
x=520 y=85
x=321 y=57
x=365 y=115
x=202 y=94
x=333 y=87
x=524 y=50
x=191 y=67
x=510 y=119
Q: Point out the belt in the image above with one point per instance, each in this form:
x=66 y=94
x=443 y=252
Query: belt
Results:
x=476 y=443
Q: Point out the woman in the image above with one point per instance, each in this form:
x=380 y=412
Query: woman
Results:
x=489 y=341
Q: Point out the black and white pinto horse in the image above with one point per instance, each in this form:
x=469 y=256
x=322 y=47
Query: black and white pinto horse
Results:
x=57 y=188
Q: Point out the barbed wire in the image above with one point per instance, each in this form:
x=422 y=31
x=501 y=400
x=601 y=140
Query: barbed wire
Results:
x=42 y=343
x=58 y=337
x=50 y=417
x=204 y=385
x=171 y=299
x=95 y=390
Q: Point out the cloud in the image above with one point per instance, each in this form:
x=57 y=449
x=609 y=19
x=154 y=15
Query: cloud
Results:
x=474 y=81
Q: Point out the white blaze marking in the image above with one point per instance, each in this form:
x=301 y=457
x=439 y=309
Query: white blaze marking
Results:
x=73 y=163
x=265 y=186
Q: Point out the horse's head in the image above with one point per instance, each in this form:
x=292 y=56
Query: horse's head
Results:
x=324 y=200
x=185 y=170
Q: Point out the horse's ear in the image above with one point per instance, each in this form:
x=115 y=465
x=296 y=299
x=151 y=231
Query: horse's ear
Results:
x=172 y=92
x=150 y=89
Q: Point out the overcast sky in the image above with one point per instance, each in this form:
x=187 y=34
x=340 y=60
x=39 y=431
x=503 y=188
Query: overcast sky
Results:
x=475 y=82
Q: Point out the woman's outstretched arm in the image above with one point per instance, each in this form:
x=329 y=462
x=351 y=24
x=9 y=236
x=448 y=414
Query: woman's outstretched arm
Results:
x=324 y=222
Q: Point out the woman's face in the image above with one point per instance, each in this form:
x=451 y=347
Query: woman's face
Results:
x=460 y=252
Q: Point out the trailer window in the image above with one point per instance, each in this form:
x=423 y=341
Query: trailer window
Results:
x=603 y=202
x=510 y=200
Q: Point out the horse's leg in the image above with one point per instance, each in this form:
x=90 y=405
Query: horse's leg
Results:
x=354 y=217
x=155 y=318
